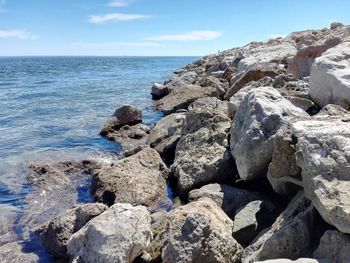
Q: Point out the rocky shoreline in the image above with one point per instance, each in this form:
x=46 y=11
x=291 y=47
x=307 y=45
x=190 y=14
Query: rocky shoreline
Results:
x=255 y=146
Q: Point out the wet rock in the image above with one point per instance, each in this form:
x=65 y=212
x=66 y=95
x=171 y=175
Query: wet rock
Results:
x=120 y=234
x=334 y=247
x=253 y=131
x=202 y=154
x=55 y=233
x=125 y=115
x=165 y=135
x=197 y=232
x=292 y=235
x=139 y=180
x=159 y=91
x=229 y=198
x=330 y=77
x=182 y=97
x=13 y=253
x=254 y=73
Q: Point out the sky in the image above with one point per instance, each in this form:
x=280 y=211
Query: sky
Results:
x=154 y=27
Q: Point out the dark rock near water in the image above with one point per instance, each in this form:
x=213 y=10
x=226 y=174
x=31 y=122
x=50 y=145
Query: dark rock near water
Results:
x=159 y=91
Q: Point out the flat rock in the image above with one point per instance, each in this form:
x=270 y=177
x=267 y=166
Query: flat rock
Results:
x=55 y=234
x=120 y=234
x=182 y=97
x=202 y=154
x=254 y=128
x=197 y=232
x=139 y=180
x=180 y=80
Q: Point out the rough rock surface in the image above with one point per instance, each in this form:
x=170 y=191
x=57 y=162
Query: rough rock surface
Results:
x=13 y=253
x=211 y=81
x=292 y=235
x=180 y=80
x=159 y=91
x=202 y=154
x=165 y=135
x=55 y=233
x=139 y=180
x=197 y=232
x=330 y=77
x=118 y=235
x=254 y=128
x=283 y=260
x=334 y=247
x=323 y=153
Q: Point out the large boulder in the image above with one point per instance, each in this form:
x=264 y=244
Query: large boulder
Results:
x=211 y=81
x=165 y=135
x=125 y=115
x=334 y=247
x=180 y=80
x=197 y=232
x=120 y=234
x=330 y=77
x=182 y=97
x=254 y=129
x=292 y=235
x=323 y=154
x=139 y=180
x=202 y=154
x=55 y=234
x=159 y=91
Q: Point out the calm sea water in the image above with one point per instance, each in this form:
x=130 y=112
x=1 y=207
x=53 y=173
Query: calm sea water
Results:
x=52 y=108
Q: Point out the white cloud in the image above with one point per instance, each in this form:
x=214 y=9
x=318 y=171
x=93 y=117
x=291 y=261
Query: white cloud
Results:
x=116 y=17
x=103 y=45
x=118 y=3
x=16 y=33
x=189 y=36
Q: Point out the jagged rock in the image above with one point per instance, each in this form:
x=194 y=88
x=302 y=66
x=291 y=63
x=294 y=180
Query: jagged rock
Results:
x=253 y=73
x=330 y=77
x=120 y=234
x=182 y=97
x=139 y=180
x=211 y=81
x=330 y=111
x=282 y=260
x=292 y=235
x=229 y=198
x=334 y=247
x=197 y=232
x=159 y=91
x=288 y=86
x=14 y=253
x=125 y=115
x=323 y=154
x=165 y=135
x=254 y=128
x=201 y=155
x=55 y=233
x=180 y=80
x=336 y=25
x=304 y=104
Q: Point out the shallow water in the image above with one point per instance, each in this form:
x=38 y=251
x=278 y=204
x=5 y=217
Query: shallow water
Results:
x=52 y=108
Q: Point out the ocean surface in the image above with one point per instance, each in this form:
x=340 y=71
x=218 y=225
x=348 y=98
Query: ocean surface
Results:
x=52 y=108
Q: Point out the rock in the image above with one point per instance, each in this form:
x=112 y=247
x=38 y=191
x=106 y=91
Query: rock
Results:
x=229 y=198
x=8 y=215
x=334 y=247
x=139 y=180
x=120 y=234
x=304 y=104
x=125 y=115
x=165 y=135
x=211 y=81
x=336 y=25
x=202 y=154
x=330 y=111
x=182 y=97
x=288 y=86
x=55 y=234
x=330 y=77
x=323 y=154
x=218 y=74
x=159 y=91
x=181 y=80
x=197 y=232
x=254 y=73
x=14 y=253
x=292 y=235
x=254 y=128
x=282 y=260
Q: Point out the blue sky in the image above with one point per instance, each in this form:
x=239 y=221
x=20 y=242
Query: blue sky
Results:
x=154 y=27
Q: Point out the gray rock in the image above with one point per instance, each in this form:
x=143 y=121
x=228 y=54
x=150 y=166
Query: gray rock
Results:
x=120 y=234
x=182 y=97
x=165 y=135
x=202 y=154
x=334 y=248
x=304 y=104
x=211 y=81
x=197 y=232
x=125 y=115
x=336 y=25
x=13 y=253
x=218 y=74
x=8 y=215
x=254 y=128
x=282 y=260
x=55 y=234
x=159 y=91
x=185 y=78
x=139 y=180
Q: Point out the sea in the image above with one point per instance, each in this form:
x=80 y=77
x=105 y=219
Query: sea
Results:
x=52 y=108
